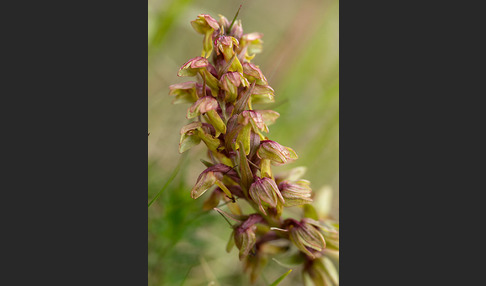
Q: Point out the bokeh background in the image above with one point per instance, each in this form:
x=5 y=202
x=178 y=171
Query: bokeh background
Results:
x=300 y=59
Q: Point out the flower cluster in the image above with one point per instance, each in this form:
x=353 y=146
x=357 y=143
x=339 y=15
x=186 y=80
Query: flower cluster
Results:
x=241 y=155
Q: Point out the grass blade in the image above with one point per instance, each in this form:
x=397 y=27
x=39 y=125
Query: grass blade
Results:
x=172 y=176
x=281 y=278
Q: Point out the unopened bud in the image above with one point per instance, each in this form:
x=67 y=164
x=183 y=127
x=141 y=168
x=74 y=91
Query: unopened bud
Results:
x=296 y=193
x=277 y=153
x=204 y=23
x=223 y=22
x=237 y=30
x=244 y=235
x=306 y=237
x=264 y=191
x=205 y=181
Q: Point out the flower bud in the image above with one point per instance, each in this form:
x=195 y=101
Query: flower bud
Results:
x=237 y=30
x=207 y=105
x=184 y=92
x=245 y=240
x=253 y=73
x=264 y=191
x=321 y=272
x=205 y=181
x=223 y=22
x=330 y=231
x=296 y=193
x=200 y=65
x=187 y=141
x=189 y=136
x=206 y=25
x=269 y=116
x=262 y=94
x=244 y=235
x=230 y=82
x=251 y=44
x=211 y=176
x=202 y=106
x=193 y=66
x=226 y=46
x=306 y=237
x=277 y=153
x=254 y=118
x=194 y=130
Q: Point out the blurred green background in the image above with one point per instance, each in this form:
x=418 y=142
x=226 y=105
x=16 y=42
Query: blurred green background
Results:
x=300 y=59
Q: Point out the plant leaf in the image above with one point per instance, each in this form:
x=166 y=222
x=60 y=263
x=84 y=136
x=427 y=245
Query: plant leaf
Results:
x=281 y=278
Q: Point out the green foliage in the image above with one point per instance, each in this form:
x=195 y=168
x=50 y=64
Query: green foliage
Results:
x=172 y=220
x=281 y=278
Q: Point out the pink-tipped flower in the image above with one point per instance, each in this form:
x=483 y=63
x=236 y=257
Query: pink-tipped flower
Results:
x=193 y=66
x=296 y=193
x=253 y=72
x=208 y=105
x=226 y=46
x=202 y=106
x=206 y=25
x=275 y=152
x=254 y=118
x=250 y=44
x=200 y=65
x=183 y=92
x=230 y=82
x=264 y=191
